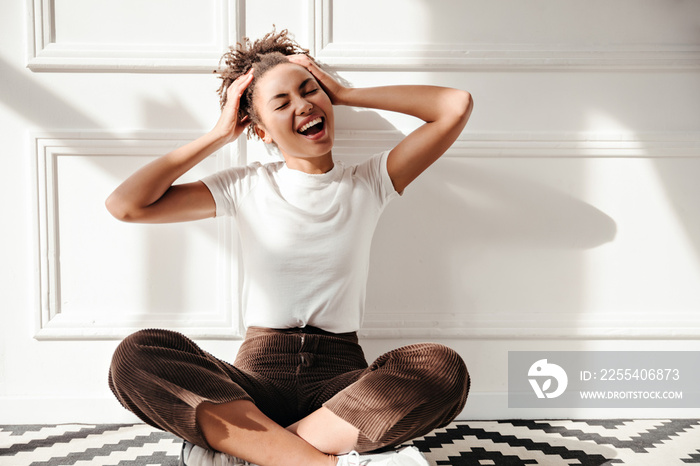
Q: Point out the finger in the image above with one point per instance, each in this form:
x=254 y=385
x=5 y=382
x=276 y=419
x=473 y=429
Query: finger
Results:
x=237 y=87
x=242 y=81
x=301 y=59
x=298 y=58
x=311 y=67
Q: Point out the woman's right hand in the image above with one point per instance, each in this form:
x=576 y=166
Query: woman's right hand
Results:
x=229 y=126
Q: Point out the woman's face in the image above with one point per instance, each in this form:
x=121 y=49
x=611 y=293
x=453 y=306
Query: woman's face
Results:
x=294 y=111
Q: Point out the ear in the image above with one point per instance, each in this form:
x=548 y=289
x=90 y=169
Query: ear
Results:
x=262 y=134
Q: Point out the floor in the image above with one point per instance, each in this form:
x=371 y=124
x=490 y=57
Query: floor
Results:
x=463 y=443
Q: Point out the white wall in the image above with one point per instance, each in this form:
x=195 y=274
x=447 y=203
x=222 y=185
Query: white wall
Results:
x=564 y=218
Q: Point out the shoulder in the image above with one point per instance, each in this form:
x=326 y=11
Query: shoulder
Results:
x=230 y=186
x=370 y=167
x=373 y=173
x=249 y=172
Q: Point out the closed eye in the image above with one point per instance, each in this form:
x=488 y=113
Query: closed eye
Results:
x=311 y=91
x=282 y=106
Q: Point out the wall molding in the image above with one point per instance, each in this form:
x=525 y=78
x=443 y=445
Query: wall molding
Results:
x=442 y=325
x=481 y=57
x=484 y=57
x=537 y=144
x=224 y=322
x=44 y=54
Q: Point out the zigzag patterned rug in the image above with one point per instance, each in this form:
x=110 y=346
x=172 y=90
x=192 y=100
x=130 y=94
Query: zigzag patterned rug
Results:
x=462 y=443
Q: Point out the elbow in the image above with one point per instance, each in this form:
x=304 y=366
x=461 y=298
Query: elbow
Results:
x=464 y=104
x=118 y=209
x=458 y=107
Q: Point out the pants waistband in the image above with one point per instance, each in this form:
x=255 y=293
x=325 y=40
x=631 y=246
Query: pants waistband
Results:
x=308 y=330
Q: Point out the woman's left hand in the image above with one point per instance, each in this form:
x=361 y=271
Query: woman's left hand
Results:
x=333 y=88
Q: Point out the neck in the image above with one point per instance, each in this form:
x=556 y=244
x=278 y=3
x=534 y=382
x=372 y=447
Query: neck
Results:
x=312 y=165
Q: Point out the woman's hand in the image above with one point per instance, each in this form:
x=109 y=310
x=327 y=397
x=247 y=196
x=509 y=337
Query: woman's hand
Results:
x=333 y=88
x=229 y=126
x=149 y=196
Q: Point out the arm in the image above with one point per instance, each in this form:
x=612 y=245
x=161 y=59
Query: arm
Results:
x=148 y=196
x=445 y=112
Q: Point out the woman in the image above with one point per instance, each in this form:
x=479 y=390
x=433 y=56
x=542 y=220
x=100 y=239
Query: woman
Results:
x=300 y=391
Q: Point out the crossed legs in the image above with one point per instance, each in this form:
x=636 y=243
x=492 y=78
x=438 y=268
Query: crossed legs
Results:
x=240 y=429
x=169 y=382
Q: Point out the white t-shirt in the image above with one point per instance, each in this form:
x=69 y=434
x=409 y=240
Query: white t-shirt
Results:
x=305 y=239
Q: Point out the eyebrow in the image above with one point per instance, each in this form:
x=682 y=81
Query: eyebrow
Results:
x=301 y=86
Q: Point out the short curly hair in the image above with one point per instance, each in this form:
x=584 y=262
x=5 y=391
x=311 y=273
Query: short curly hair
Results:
x=262 y=55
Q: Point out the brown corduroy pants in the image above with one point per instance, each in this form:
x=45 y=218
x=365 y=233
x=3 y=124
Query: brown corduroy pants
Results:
x=162 y=376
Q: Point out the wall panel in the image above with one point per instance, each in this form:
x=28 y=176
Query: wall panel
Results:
x=160 y=35
x=471 y=35
x=297 y=16
x=99 y=278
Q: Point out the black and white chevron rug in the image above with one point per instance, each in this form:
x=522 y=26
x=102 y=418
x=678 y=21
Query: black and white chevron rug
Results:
x=463 y=443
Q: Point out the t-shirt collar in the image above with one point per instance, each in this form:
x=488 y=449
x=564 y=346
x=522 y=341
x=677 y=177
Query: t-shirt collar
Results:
x=309 y=179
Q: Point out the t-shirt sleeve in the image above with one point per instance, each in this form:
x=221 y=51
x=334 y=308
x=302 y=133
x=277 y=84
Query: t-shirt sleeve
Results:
x=228 y=187
x=375 y=173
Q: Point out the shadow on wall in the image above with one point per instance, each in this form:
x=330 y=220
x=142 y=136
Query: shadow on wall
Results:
x=487 y=203
x=37 y=104
x=470 y=232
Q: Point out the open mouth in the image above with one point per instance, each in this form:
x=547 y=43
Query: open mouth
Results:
x=312 y=128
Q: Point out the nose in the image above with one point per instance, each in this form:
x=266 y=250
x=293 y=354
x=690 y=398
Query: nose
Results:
x=304 y=106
